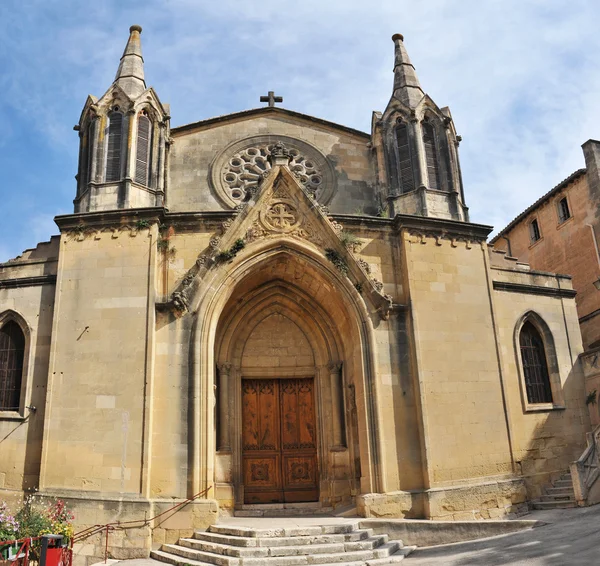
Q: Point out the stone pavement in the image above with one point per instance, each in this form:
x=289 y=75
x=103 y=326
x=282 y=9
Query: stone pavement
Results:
x=569 y=539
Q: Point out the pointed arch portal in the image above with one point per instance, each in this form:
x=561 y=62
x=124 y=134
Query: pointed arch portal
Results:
x=289 y=358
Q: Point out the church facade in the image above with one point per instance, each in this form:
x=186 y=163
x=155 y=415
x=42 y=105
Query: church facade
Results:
x=266 y=308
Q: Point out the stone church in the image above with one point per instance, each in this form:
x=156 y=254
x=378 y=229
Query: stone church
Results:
x=268 y=310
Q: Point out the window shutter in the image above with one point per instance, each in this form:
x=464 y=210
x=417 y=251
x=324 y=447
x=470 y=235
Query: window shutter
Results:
x=405 y=168
x=535 y=368
x=431 y=157
x=534 y=231
x=113 y=153
x=563 y=210
x=142 y=157
x=12 y=350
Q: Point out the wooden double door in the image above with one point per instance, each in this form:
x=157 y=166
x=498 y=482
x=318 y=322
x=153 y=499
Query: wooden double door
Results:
x=279 y=441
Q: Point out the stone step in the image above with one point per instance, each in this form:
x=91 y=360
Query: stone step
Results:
x=332 y=544
x=560 y=492
x=283 y=510
x=563 y=483
x=557 y=504
x=354 y=536
x=569 y=496
x=278 y=532
x=287 y=550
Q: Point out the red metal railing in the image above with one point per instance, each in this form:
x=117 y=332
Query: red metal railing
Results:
x=123 y=525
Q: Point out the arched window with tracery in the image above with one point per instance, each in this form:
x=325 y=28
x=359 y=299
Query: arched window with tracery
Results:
x=114 y=139
x=431 y=156
x=406 y=175
x=12 y=352
x=143 y=150
x=535 y=365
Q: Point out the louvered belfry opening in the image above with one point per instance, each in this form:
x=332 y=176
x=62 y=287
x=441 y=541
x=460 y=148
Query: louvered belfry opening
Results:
x=12 y=351
x=431 y=156
x=114 y=141
x=535 y=366
x=142 y=156
x=405 y=168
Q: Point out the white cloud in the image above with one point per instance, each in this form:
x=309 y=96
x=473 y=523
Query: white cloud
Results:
x=522 y=78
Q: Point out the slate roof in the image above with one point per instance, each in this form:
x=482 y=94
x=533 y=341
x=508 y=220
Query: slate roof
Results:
x=572 y=177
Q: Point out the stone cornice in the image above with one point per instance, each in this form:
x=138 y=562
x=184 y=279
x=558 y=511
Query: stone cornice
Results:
x=33 y=281
x=441 y=227
x=534 y=289
x=109 y=217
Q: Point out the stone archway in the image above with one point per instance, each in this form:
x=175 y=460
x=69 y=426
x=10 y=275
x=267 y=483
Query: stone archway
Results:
x=285 y=320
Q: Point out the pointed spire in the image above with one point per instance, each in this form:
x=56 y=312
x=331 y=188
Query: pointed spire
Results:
x=407 y=88
x=130 y=75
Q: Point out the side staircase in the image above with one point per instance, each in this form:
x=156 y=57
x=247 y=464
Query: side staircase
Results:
x=560 y=496
x=343 y=544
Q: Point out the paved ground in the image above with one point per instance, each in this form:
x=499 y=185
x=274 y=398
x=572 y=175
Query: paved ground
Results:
x=572 y=538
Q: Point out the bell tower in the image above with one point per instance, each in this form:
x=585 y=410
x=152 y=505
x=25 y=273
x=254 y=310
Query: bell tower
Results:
x=417 y=149
x=123 y=140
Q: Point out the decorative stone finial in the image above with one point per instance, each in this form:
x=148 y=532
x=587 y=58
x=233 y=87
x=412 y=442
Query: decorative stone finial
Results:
x=407 y=88
x=280 y=155
x=135 y=27
x=397 y=36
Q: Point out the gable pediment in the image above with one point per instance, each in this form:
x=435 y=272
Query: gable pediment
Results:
x=280 y=209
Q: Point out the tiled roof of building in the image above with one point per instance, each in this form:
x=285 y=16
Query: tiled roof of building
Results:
x=572 y=177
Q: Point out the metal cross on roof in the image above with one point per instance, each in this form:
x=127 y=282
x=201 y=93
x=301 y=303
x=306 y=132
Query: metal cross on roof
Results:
x=271 y=98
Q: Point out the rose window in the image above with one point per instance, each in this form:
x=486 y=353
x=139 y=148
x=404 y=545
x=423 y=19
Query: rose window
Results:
x=246 y=168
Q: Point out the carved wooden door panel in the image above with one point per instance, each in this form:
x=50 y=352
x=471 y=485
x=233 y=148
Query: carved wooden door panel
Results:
x=298 y=439
x=279 y=455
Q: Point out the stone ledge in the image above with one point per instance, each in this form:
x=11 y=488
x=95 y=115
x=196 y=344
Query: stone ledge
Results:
x=429 y=533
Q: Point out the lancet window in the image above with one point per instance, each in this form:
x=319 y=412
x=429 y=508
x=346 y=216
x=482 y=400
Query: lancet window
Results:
x=12 y=352
x=114 y=140
x=431 y=156
x=535 y=366
x=143 y=150
x=405 y=159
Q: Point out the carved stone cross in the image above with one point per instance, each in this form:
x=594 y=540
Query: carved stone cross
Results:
x=280 y=216
x=271 y=98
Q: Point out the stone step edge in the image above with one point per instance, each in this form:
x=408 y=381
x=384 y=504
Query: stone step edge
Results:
x=224 y=549
x=261 y=542
x=277 y=532
x=386 y=550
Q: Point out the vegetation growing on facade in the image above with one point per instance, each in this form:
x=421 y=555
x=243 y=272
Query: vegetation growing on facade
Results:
x=350 y=241
x=338 y=261
x=229 y=254
x=163 y=243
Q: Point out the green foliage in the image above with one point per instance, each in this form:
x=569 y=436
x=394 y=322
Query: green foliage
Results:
x=141 y=224
x=358 y=287
x=591 y=398
x=338 y=261
x=162 y=244
x=80 y=228
x=229 y=254
x=350 y=240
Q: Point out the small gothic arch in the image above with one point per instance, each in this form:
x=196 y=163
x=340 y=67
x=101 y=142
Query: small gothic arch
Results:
x=405 y=156
x=143 y=152
x=14 y=354
x=114 y=145
x=431 y=147
x=537 y=362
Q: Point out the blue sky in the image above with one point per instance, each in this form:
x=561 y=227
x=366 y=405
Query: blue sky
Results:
x=522 y=78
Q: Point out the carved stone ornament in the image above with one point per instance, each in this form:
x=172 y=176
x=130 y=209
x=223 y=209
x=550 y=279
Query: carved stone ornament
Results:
x=280 y=216
x=238 y=171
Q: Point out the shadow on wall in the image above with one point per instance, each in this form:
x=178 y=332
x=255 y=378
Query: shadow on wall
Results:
x=558 y=439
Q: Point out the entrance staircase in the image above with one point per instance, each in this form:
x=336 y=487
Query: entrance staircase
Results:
x=342 y=544
x=560 y=496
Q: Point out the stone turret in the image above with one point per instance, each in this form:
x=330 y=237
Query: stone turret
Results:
x=417 y=149
x=123 y=140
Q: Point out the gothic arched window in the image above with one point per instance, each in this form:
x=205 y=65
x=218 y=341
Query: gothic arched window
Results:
x=142 y=155
x=405 y=166
x=535 y=366
x=12 y=353
x=114 y=135
x=431 y=156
